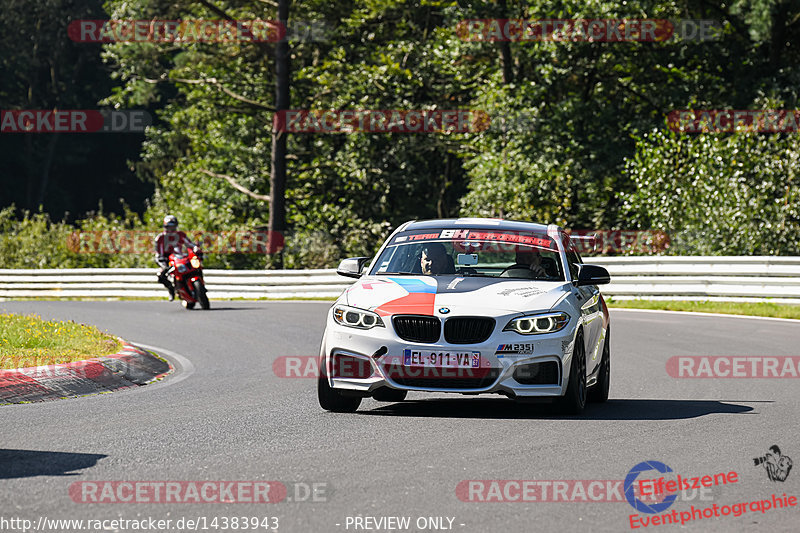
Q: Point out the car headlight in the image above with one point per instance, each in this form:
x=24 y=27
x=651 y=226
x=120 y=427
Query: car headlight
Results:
x=538 y=324
x=353 y=317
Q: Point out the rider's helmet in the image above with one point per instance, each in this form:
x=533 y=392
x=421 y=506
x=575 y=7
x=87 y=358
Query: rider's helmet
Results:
x=171 y=223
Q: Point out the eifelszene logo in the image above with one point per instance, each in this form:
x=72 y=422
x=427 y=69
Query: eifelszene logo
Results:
x=630 y=486
x=658 y=494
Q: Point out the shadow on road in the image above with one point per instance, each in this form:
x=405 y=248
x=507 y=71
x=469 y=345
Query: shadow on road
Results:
x=214 y=308
x=621 y=409
x=29 y=463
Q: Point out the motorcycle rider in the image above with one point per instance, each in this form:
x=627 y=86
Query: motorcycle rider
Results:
x=169 y=242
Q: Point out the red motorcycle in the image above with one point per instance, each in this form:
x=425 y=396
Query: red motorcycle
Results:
x=186 y=272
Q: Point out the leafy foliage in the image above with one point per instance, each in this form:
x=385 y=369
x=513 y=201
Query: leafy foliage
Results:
x=719 y=194
x=576 y=136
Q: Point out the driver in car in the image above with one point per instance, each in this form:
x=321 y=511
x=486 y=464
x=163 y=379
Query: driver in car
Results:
x=434 y=259
x=531 y=258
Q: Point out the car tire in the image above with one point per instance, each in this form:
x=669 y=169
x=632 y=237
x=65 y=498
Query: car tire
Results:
x=574 y=399
x=385 y=394
x=331 y=399
x=599 y=392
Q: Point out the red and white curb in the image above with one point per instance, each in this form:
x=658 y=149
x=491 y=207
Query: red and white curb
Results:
x=131 y=367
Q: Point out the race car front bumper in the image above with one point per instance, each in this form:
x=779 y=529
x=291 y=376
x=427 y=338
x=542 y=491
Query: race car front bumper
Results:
x=518 y=366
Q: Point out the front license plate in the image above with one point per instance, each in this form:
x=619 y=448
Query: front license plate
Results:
x=441 y=359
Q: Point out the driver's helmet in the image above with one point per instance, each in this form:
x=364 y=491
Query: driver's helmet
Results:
x=171 y=223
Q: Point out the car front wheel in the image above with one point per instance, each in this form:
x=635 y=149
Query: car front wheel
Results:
x=599 y=392
x=574 y=400
x=332 y=400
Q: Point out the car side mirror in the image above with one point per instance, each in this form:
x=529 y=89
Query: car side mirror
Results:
x=592 y=275
x=352 y=266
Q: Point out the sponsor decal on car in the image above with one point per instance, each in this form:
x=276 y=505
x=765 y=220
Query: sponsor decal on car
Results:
x=452 y=285
x=524 y=348
x=524 y=292
x=471 y=240
x=419 y=299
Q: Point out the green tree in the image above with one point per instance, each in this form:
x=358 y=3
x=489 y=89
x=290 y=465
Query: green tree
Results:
x=718 y=194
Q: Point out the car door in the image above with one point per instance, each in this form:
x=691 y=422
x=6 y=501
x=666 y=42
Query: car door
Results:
x=591 y=309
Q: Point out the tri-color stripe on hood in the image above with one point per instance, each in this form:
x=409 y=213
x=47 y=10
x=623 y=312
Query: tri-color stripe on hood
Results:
x=424 y=295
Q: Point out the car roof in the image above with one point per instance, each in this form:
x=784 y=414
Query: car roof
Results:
x=498 y=223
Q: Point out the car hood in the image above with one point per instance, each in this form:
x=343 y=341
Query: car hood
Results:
x=426 y=295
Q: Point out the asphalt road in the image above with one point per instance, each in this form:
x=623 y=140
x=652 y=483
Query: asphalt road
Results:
x=227 y=416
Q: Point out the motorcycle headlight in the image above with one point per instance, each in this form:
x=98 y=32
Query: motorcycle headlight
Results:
x=195 y=262
x=182 y=267
x=538 y=324
x=353 y=317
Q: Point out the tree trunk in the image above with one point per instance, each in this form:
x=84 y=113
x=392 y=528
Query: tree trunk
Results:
x=277 y=179
x=44 y=177
x=505 y=49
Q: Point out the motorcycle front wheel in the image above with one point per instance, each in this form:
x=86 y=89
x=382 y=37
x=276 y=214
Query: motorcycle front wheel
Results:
x=200 y=294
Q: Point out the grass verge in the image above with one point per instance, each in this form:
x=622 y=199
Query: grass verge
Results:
x=29 y=340
x=726 y=308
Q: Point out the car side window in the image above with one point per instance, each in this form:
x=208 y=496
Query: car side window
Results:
x=573 y=259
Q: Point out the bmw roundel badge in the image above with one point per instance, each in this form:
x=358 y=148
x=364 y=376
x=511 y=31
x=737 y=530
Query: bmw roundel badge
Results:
x=444 y=310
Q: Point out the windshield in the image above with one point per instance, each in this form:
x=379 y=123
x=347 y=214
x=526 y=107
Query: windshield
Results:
x=487 y=253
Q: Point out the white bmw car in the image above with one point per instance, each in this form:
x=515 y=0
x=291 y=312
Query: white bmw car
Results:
x=470 y=306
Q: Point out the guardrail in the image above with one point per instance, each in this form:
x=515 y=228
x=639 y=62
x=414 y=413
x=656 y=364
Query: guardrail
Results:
x=661 y=277
x=141 y=283
x=720 y=278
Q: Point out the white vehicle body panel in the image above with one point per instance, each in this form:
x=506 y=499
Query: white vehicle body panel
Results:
x=448 y=297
